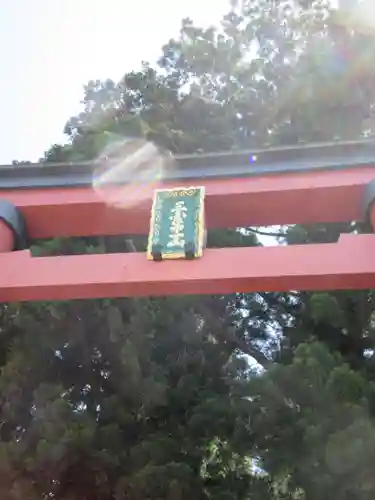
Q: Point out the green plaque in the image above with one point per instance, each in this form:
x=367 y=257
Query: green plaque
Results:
x=177 y=224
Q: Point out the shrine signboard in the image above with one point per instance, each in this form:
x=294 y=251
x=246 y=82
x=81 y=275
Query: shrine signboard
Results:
x=177 y=224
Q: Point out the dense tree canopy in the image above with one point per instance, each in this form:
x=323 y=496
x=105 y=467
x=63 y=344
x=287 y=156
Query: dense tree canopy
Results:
x=161 y=398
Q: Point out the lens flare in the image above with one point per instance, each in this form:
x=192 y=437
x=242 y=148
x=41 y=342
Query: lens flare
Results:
x=128 y=170
x=358 y=15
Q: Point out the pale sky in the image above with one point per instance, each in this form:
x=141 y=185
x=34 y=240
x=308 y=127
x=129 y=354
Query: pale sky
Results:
x=50 y=48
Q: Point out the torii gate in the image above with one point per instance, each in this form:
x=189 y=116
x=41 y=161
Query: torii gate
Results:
x=317 y=183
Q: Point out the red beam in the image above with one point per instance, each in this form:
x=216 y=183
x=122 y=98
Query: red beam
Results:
x=324 y=196
x=348 y=264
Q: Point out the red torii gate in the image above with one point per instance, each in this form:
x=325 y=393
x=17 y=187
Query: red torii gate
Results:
x=317 y=183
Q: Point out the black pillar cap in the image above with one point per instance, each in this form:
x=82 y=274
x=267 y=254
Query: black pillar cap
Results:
x=368 y=200
x=13 y=218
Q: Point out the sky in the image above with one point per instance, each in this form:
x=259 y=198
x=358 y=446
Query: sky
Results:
x=50 y=48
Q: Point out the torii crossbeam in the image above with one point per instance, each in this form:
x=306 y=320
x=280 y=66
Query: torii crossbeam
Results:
x=317 y=183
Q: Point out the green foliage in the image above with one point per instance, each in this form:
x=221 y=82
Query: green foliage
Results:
x=316 y=424
x=156 y=398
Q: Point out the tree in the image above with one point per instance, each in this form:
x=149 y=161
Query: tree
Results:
x=314 y=425
x=155 y=398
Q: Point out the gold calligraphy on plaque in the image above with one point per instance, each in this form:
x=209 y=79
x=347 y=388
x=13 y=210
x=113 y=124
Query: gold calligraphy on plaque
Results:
x=177 y=230
x=177 y=224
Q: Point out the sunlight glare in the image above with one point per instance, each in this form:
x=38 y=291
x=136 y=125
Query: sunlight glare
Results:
x=129 y=170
